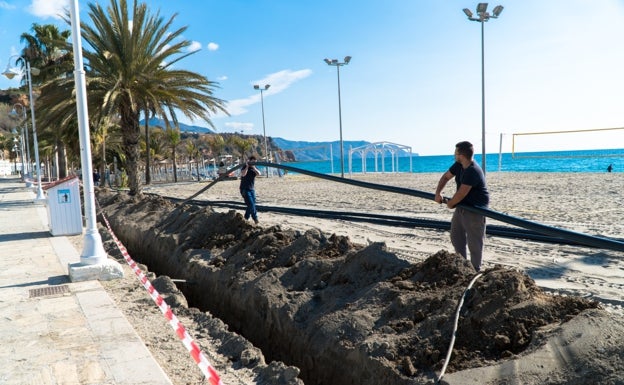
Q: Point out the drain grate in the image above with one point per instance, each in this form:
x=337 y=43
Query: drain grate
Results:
x=50 y=290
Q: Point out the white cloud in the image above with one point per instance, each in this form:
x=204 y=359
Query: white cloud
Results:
x=5 y=5
x=238 y=106
x=279 y=82
x=239 y=126
x=195 y=46
x=222 y=78
x=48 y=8
x=212 y=46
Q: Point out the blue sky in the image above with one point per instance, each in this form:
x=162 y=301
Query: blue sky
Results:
x=415 y=73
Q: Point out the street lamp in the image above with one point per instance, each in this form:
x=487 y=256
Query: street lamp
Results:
x=266 y=148
x=483 y=16
x=21 y=141
x=16 y=150
x=337 y=64
x=94 y=263
x=10 y=74
x=25 y=141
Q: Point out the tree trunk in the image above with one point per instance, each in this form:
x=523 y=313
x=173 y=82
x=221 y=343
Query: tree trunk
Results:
x=148 y=174
x=62 y=159
x=175 y=167
x=104 y=165
x=131 y=134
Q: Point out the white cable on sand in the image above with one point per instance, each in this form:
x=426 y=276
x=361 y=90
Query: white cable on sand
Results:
x=459 y=306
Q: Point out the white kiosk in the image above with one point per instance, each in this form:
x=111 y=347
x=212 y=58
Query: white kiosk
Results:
x=64 y=209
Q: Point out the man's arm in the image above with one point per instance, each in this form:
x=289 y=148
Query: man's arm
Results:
x=443 y=180
x=461 y=193
x=254 y=169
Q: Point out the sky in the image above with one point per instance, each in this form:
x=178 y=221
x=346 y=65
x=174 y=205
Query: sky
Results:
x=415 y=74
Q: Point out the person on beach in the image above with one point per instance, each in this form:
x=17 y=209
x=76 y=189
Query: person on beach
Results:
x=221 y=170
x=247 y=189
x=467 y=228
x=610 y=168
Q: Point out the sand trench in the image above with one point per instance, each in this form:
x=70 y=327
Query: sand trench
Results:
x=323 y=304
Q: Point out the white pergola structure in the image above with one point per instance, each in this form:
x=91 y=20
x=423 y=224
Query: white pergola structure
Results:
x=379 y=150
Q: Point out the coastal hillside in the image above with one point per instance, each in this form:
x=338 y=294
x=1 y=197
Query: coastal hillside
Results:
x=289 y=150
x=304 y=151
x=156 y=122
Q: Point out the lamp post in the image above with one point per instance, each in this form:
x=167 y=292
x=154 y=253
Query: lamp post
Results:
x=483 y=16
x=10 y=74
x=21 y=147
x=25 y=141
x=266 y=148
x=338 y=64
x=16 y=151
x=94 y=263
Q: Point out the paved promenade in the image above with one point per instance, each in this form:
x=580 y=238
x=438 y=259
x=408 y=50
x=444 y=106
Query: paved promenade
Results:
x=53 y=331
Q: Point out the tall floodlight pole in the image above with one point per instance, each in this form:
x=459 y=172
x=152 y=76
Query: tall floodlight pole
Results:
x=338 y=64
x=483 y=16
x=10 y=74
x=266 y=148
x=94 y=263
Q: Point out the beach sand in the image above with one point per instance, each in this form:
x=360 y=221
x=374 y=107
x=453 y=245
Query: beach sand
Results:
x=586 y=203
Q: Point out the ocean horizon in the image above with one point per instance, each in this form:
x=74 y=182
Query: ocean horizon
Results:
x=552 y=161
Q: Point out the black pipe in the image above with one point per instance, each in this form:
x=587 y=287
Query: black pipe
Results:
x=580 y=238
x=386 y=220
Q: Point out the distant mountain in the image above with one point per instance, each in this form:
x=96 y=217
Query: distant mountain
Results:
x=155 y=122
x=301 y=151
x=310 y=151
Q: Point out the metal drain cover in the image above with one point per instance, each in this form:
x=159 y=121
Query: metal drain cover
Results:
x=50 y=290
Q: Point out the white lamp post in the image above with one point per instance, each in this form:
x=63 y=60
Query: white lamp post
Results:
x=25 y=141
x=9 y=73
x=266 y=148
x=337 y=64
x=17 y=149
x=94 y=263
x=483 y=16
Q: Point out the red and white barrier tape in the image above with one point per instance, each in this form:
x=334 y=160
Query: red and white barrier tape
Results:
x=191 y=346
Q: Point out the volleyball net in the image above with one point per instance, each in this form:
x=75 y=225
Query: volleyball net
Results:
x=597 y=142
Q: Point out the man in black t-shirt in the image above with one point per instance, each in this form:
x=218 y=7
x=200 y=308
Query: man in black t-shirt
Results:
x=247 y=190
x=467 y=228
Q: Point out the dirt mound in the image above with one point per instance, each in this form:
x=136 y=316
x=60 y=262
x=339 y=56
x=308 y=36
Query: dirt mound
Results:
x=323 y=304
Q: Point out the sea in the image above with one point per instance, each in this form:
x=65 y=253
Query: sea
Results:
x=550 y=161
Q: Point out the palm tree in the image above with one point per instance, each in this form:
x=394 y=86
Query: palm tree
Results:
x=158 y=145
x=46 y=49
x=131 y=66
x=243 y=145
x=173 y=138
x=216 y=143
x=148 y=149
x=192 y=149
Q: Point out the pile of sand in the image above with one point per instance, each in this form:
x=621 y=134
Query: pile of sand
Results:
x=321 y=303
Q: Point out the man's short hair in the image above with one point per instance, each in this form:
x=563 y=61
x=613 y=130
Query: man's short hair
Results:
x=465 y=148
x=252 y=158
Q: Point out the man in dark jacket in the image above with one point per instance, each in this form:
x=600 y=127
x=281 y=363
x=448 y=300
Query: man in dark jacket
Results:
x=248 y=178
x=467 y=228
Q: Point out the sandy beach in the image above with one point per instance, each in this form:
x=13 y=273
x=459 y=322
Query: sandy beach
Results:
x=590 y=203
x=380 y=298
